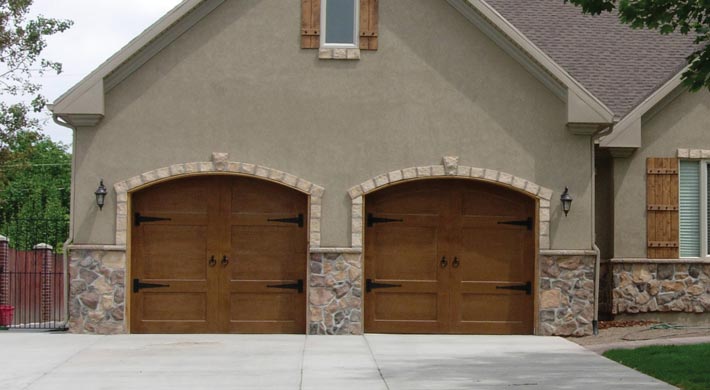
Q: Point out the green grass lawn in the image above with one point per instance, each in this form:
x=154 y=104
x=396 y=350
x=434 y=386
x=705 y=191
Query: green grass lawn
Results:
x=685 y=366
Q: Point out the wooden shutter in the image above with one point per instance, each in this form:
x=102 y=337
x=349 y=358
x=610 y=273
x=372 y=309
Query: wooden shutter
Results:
x=662 y=208
x=368 y=24
x=310 y=24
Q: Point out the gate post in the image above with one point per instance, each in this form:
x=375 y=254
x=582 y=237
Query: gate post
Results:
x=4 y=271
x=47 y=294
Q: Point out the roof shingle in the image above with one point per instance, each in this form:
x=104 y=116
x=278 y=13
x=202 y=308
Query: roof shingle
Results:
x=620 y=65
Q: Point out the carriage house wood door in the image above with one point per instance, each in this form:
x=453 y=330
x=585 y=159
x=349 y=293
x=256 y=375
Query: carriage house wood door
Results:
x=449 y=256
x=218 y=254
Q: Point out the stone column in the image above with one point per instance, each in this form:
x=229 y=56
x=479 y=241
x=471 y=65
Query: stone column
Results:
x=45 y=251
x=4 y=271
x=335 y=292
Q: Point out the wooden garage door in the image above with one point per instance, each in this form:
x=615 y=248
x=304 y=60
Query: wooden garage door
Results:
x=449 y=256
x=218 y=254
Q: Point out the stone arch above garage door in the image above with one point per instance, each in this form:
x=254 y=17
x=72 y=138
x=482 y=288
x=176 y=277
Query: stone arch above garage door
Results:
x=451 y=168
x=220 y=164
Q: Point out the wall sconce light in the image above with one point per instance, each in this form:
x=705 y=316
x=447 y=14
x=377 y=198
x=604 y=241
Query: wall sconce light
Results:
x=566 y=200
x=101 y=195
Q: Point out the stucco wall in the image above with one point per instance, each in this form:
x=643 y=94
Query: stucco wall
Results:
x=238 y=82
x=683 y=123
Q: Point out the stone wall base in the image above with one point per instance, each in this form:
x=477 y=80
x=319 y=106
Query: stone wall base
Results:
x=335 y=293
x=97 y=291
x=661 y=287
x=566 y=295
x=335 y=305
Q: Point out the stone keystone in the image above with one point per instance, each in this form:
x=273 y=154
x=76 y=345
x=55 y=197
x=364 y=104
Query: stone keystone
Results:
x=220 y=160
x=451 y=164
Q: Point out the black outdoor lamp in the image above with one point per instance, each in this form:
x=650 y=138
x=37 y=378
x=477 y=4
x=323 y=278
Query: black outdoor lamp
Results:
x=101 y=195
x=566 y=200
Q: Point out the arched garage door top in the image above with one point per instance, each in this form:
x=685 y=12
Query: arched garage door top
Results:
x=219 y=165
x=451 y=168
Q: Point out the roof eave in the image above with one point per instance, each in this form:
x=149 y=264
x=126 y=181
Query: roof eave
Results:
x=627 y=133
x=583 y=106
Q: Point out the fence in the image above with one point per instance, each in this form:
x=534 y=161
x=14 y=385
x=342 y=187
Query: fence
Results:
x=32 y=275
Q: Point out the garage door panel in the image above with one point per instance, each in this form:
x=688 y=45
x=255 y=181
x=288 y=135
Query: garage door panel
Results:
x=178 y=196
x=417 y=202
x=492 y=202
x=498 y=307
x=481 y=254
x=164 y=306
x=406 y=252
x=248 y=197
x=225 y=218
x=268 y=306
x=406 y=306
x=174 y=252
x=266 y=253
x=492 y=254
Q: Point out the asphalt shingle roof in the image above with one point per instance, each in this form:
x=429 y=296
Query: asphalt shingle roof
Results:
x=619 y=65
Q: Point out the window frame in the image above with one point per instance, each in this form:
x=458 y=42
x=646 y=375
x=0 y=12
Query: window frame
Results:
x=704 y=247
x=324 y=25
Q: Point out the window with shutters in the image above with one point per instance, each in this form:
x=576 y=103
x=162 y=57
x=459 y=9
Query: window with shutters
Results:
x=694 y=212
x=339 y=28
x=340 y=22
x=662 y=204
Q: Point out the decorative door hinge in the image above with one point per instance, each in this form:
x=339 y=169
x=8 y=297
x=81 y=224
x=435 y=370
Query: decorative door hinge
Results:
x=137 y=285
x=291 y=286
x=372 y=220
x=528 y=223
x=527 y=287
x=370 y=285
x=295 y=220
x=138 y=219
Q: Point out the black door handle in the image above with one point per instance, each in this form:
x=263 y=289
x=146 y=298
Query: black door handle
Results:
x=456 y=262
x=225 y=261
x=443 y=262
x=212 y=261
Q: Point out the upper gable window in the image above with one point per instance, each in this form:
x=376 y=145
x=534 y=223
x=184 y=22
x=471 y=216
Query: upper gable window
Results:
x=340 y=21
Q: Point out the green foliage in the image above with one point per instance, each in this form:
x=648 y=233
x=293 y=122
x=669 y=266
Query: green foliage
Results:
x=685 y=366
x=21 y=44
x=34 y=191
x=666 y=16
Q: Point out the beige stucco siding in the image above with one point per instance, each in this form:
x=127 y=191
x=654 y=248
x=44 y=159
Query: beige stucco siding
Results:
x=682 y=123
x=238 y=82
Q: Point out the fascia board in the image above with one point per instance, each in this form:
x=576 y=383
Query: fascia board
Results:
x=632 y=121
x=536 y=54
x=65 y=101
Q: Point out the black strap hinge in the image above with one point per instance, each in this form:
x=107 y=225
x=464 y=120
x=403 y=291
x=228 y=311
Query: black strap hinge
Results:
x=137 y=285
x=138 y=219
x=292 y=286
x=372 y=220
x=295 y=220
x=528 y=223
x=527 y=287
x=370 y=285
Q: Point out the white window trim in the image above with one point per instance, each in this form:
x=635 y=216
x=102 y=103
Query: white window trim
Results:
x=356 y=29
x=703 y=211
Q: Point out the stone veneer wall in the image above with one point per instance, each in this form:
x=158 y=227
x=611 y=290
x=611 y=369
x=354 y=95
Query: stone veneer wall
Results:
x=566 y=294
x=666 y=286
x=97 y=291
x=335 y=293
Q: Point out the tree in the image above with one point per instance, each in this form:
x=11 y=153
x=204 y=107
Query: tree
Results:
x=22 y=41
x=666 y=16
x=34 y=192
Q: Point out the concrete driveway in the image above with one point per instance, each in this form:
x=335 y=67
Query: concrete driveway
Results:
x=61 y=361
